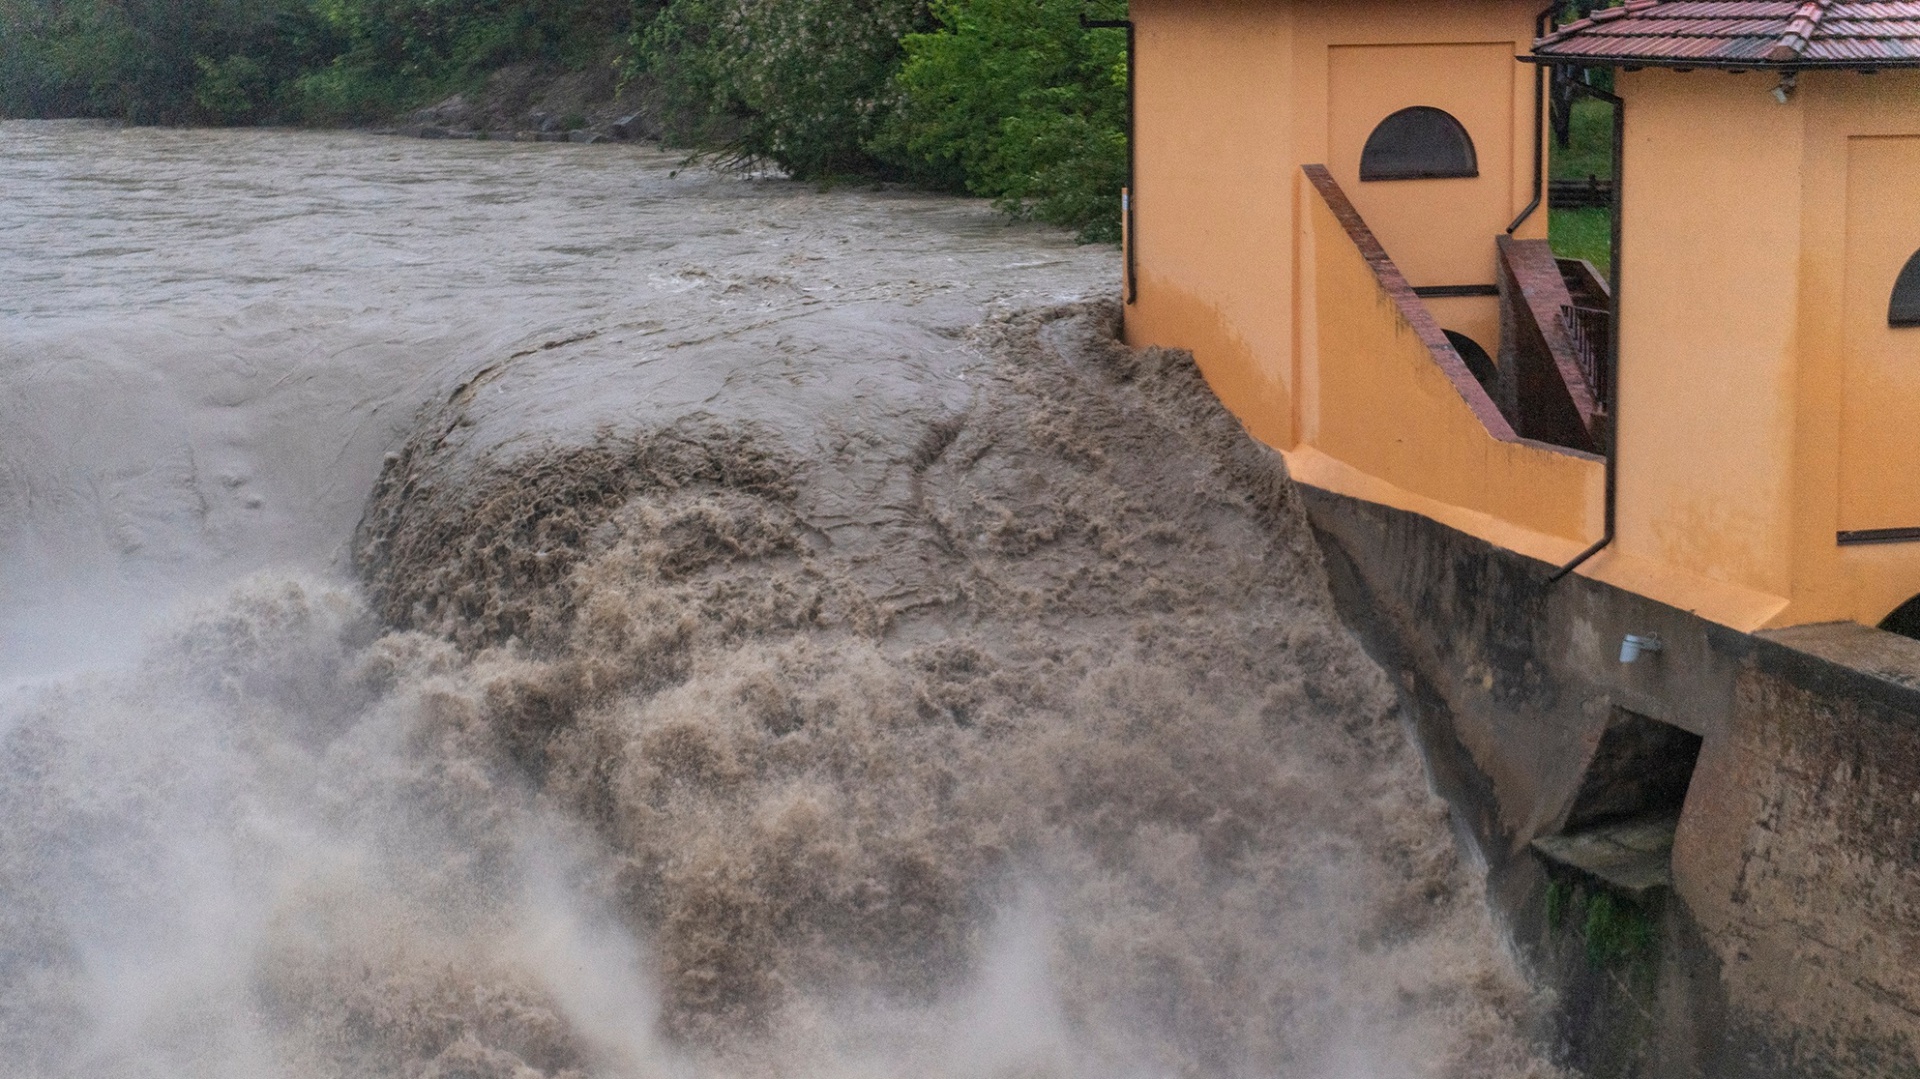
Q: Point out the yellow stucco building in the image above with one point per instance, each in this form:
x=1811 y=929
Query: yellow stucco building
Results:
x=1620 y=541
x=1332 y=198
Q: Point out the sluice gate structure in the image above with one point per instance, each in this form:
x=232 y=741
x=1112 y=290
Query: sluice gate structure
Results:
x=1641 y=542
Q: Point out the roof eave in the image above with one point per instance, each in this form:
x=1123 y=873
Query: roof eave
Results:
x=1579 y=60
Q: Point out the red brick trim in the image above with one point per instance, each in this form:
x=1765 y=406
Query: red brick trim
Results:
x=1413 y=312
x=1535 y=275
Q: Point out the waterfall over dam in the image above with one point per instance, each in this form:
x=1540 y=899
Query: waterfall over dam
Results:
x=503 y=611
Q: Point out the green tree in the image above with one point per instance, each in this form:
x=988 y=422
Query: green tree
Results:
x=152 y=61
x=30 y=84
x=394 y=54
x=801 y=83
x=1015 y=100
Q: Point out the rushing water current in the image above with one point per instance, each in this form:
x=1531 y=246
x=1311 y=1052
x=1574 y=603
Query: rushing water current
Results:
x=504 y=611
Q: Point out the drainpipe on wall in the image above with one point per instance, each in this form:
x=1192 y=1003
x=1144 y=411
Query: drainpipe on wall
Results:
x=1131 y=193
x=1542 y=23
x=1613 y=338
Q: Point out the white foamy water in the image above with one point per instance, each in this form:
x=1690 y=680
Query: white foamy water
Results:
x=786 y=637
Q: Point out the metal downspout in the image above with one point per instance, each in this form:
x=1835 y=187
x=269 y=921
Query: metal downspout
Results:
x=1613 y=339
x=1131 y=194
x=1541 y=24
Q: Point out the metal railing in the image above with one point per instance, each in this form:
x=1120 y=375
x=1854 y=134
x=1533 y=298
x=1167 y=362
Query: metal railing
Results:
x=1590 y=331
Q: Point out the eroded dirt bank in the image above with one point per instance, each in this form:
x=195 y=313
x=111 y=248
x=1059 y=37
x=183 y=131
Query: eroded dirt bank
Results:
x=763 y=667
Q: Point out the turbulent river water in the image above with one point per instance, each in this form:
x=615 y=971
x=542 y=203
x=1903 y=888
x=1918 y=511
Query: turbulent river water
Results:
x=498 y=611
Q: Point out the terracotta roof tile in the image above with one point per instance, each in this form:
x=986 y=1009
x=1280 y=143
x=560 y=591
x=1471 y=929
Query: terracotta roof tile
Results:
x=1743 y=33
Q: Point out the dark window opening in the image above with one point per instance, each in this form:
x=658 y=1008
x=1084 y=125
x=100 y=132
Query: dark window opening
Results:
x=1640 y=772
x=1905 y=619
x=1904 y=308
x=1620 y=829
x=1478 y=362
x=1420 y=143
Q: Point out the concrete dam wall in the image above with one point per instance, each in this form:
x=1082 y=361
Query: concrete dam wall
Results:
x=1712 y=852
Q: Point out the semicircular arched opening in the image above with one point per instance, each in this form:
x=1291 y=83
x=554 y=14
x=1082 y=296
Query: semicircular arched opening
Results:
x=1905 y=619
x=1478 y=362
x=1903 y=308
x=1418 y=143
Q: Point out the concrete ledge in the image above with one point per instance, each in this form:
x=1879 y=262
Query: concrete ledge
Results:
x=1889 y=661
x=1635 y=859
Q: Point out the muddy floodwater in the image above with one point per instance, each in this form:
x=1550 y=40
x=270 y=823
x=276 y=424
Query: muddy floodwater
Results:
x=508 y=611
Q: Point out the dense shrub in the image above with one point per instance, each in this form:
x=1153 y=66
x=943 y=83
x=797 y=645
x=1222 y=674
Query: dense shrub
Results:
x=394 y=54
x=248 y=61
x=30 y=84
x=1013 y=99
x=801 y=83
x=399 y=53
x=139 y=60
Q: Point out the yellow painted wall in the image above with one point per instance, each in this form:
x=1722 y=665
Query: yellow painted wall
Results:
x=1880 y=365
x=1709 y=269
x=1476 y=316
x=1857 y=421
x=1212 y=190
x=1765 y=404
x=1233 y=97
x=1382 y=420
x=1440 y=232
x=1762 y=406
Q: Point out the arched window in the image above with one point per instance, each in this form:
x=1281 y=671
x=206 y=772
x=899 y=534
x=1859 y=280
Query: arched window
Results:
x=1420 y=143
x=1476 y=358
x=1904 y=308
x=1905 y=619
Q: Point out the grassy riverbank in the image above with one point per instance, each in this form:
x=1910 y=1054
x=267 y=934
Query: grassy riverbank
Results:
x=1008 y=99
x=1585 y=233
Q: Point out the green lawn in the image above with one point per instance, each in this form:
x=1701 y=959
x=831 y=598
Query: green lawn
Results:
x=1583 y=234
x=1591 y=153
